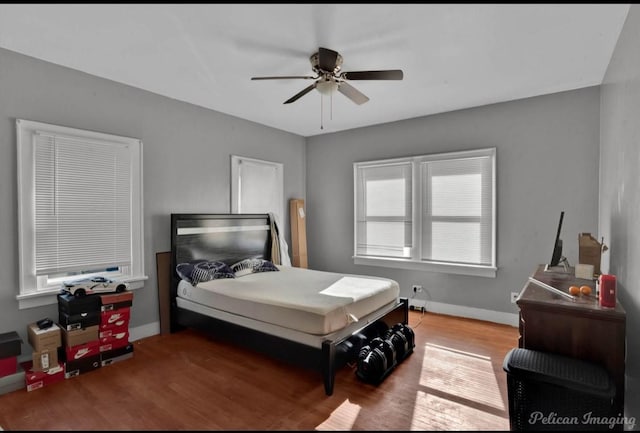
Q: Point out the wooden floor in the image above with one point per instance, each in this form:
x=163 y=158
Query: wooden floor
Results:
x=186 y=381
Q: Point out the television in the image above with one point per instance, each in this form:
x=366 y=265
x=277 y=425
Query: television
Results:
x=557 y=257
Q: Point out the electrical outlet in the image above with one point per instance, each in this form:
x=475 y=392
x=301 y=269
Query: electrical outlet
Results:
x=417 y=288
x=514 y=297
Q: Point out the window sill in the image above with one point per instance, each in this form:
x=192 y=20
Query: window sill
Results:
x=48 y=297
x=447 y=268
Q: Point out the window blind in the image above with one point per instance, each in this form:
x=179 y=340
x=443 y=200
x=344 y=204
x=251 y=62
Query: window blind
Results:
x=384 y=210
x=259 y=187
x=428 y=212
x=82 y=204
x=457 y=210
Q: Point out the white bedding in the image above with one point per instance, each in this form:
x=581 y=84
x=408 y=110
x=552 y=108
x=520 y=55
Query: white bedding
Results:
x=309 y=301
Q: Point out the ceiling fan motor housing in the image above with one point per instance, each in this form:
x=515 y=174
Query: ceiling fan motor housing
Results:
x=315 y=64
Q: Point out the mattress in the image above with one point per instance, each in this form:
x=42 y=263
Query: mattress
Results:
x=305 y=300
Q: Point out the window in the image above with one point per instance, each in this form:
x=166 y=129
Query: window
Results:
x=80 y=208
x=256 y=186
x=430 y=212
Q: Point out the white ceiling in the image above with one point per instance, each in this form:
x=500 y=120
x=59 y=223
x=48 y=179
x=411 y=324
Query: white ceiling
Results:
x=453 y=56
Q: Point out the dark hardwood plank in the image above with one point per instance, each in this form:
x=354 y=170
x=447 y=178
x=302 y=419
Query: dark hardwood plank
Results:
x=188 y=381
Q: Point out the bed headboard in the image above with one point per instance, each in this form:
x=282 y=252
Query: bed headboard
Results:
x=225 y=237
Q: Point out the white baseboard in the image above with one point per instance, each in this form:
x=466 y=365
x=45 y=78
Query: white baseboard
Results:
x=144 y=331
x=468 y=312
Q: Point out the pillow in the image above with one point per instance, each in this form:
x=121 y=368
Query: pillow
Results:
x=252 y=266
x=198 y=271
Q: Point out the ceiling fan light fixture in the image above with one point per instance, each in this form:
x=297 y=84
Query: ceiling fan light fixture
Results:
x=327 y=64
x=326 y=87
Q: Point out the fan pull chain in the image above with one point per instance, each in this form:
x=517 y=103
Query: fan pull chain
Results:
x=331 y=106
x=321 y=110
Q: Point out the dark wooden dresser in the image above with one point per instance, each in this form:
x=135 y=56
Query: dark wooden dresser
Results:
x=580 y=328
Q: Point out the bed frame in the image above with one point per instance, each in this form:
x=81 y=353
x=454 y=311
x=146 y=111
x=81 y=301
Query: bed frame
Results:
x=233 y=237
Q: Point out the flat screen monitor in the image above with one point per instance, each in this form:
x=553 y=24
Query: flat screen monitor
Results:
x=557 y=257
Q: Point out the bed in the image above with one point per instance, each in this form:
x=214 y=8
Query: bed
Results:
x=311 y=318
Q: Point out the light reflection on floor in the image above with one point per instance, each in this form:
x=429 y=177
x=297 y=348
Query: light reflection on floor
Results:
x=343 y=418
x=455 y=390
x=459 y=391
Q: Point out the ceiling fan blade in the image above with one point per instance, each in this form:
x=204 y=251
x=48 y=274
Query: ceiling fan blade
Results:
x=327 y=59
x=391 y=74
x=300 y=94
x=283 y=78
x=352 y=93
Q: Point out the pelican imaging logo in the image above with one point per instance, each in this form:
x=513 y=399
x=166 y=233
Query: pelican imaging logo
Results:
x=553 y=419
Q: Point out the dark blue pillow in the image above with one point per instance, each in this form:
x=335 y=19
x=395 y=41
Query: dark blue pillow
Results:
x=252 y=266
x=198 y=271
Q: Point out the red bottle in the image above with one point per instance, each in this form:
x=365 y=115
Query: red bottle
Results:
x=607 y=295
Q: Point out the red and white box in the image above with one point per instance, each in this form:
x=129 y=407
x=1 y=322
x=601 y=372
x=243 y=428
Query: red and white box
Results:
x=81 y=351
x=39 y=379
x=109 y=330
x=119 y=317
x=114 y=341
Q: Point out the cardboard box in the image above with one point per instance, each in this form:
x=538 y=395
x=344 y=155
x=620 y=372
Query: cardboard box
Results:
x=38 y=379
x=298 y=233
x=43 y=339
x=87 y=350
x=590 y=251
x=116 y=355
x=79 y=321
x=10 y=344
x=80 y=366
x=70 y=304
x=44 y=359
x=8 y=365
x=12 y=382
x=115 y=301
x=76 y=337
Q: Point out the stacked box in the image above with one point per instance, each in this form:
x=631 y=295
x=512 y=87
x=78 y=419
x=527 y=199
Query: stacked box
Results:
x=12 y=382
x=115 y=312
x=39 y=379
x=115 y=355
x=9 y=350
x=80 y=319
x=45 y=343
x=78 y=312
x=115 y=301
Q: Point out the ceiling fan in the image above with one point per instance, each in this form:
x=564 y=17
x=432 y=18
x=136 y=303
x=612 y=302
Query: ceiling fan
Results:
x=327 y=64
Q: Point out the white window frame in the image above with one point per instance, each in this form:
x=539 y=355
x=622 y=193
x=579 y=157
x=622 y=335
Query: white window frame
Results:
x=35 y=291
x=415 y=262
x=238 y=205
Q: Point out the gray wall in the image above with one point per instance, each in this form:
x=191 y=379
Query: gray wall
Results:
x=547 y=161
x=186 y=161
x=620 y=189
x=547 y=153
